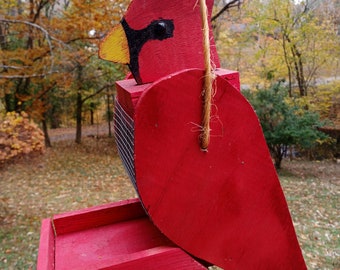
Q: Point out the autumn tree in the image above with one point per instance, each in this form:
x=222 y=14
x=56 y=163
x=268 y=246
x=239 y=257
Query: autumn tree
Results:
x=305 y=40
x=26 y=57
x=45 y=44
x=93 y=79
x=282 y=40
x=88 y=22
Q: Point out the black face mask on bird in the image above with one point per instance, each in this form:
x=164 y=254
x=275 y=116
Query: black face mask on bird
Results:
x=124 y=44
x=156 y=30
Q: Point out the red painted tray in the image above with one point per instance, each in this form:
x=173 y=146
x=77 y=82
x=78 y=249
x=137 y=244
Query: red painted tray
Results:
x=113 y=236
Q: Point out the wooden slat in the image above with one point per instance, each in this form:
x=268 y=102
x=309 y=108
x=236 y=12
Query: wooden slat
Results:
x=128 y=94
x=113 y=236
x=46 y=246
x=97 y=216
x=110 y=245
x=169 y=258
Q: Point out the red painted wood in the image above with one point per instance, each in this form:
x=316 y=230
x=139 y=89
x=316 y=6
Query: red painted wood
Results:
x=128 y=76
x=156 y=58
x=233 y=77
x=226 y=205
x=46 y=246
x=97 y=216
x=128 y=92
x=169 y=258
x=122 y=237
x=109 y=245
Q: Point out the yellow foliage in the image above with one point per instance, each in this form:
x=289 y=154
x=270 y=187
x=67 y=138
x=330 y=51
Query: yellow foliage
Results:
x=324 y=96
x=19 y=136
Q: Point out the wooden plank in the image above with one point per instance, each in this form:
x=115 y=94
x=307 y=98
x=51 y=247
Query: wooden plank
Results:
x=97 y=216
x=109 y=245
x=170 y=258
x=46 y=246
x=232 y=76
x=128 y=92
x=226 y=205
x=131 y=241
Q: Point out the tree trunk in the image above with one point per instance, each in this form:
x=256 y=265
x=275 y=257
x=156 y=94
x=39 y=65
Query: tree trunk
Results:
x=298 y=66
x=45 y=130
x=289 y=69
x=10 y=102
x=92 y=117
x=299 y=74
x=79 y=106
x=55 y=121
x=78 y=117
x=277 y=155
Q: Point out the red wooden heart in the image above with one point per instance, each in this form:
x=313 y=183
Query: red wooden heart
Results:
x=226 y=205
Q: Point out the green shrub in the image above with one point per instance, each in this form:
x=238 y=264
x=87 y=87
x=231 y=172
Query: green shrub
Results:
x=284 y=123
x=19 y=137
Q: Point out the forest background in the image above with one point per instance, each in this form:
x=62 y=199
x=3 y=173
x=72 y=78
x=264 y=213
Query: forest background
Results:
x=50 y=70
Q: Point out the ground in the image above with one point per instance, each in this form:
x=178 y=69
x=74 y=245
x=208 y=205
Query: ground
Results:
x=70 y=176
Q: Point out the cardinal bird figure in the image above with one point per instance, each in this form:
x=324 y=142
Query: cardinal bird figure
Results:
x=224 y=205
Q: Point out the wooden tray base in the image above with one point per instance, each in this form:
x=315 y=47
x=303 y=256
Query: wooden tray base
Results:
x=113 y=236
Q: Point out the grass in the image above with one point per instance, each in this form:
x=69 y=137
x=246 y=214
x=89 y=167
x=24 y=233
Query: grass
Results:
x=312 y=192
x=69 y=177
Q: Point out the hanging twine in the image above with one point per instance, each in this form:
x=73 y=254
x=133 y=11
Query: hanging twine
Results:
x=208 y=79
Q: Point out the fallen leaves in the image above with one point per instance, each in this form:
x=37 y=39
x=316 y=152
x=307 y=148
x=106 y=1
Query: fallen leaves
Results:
x=313 y=199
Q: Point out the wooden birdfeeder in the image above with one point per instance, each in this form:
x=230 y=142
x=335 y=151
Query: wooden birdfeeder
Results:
x=114 y=236
x=195 y=153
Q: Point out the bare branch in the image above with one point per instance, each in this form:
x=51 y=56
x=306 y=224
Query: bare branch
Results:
x=97 y=92
x=234 y=3
x=26 y=76
x=13 y=67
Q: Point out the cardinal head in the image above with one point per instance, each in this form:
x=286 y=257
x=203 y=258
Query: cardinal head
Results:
x=157 y=38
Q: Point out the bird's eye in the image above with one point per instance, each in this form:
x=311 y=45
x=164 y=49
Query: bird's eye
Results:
x=160 y=29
